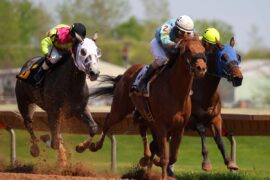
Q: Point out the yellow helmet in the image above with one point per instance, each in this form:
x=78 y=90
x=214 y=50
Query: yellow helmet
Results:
x=211 y=35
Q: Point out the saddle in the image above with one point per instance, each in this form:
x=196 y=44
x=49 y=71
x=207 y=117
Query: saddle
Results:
x=29 y=70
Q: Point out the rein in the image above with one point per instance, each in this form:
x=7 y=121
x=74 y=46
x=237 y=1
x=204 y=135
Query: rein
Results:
x=190 y=62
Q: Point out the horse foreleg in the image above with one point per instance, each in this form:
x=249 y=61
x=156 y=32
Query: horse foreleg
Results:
x=98 y=145
x=61 y=156
x=117 y=114
x=164 y=154
x=216 y=129
x=54 y=126
x=86 y=116
x=206 y=164
x=233 y=150
x=146 y=149
x=164 y=157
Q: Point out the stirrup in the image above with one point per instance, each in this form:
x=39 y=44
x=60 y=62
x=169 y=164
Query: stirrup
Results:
x=134 y=88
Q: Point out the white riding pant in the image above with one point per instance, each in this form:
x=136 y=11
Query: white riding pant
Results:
x=55 y=57
x=160 y=58
x=158 y=52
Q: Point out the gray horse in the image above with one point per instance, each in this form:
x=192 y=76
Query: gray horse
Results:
x=64 y=92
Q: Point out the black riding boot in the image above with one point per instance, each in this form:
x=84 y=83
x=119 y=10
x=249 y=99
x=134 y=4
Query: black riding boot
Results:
x=39 y=76
x=142 y=86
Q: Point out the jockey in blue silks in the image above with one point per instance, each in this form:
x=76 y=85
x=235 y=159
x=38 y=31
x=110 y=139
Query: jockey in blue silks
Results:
x=166 y=38
x=209 y=40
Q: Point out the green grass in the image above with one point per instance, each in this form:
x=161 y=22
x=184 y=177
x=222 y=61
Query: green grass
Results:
x=253 y=156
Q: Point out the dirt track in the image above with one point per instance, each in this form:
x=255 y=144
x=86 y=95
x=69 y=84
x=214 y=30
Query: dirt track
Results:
x=23 y=176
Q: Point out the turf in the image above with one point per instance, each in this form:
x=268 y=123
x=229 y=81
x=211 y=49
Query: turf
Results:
x=252 y=156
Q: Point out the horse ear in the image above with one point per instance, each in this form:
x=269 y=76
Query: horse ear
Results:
x=219 y=45
x=232 y=42
x=95 y=36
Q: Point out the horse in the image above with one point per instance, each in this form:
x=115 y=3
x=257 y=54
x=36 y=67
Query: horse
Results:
x=206 y=103
x=64 y=93
x=168 y=107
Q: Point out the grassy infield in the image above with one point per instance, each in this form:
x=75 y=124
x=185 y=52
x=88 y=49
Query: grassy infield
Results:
x=253 y=156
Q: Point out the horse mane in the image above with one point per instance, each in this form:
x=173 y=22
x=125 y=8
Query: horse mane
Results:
x=107 y=90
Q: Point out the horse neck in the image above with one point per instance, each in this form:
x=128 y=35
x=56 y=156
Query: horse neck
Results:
x=204 y=89
x=73 y=75
x=180 y=80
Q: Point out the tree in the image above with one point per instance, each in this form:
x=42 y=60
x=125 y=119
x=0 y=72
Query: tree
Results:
x=225 y=30
x=97 y=15
x=156 y=11
x=131 y=28
x=19 y=29
x=258 y=49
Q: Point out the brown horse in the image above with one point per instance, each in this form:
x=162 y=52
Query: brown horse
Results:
x=206 y=104
x=64 y=92
x=168 y=108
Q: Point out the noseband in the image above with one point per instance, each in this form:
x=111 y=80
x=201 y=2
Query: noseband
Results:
x=190 y=62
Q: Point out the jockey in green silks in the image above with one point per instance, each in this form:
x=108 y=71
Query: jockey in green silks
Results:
x=59 y=40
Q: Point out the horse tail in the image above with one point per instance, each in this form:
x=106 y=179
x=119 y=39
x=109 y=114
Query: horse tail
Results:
x=107 y=90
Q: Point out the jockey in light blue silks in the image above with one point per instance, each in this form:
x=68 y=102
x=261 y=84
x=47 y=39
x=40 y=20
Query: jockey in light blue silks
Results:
x=166 y=38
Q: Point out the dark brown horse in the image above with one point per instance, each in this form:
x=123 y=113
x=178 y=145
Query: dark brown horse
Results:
x=64 y=92
x=206 y=104
x=168 y=108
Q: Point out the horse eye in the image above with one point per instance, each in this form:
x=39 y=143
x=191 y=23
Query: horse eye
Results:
x=83 y=52
x=224 y=57
x=89 y=58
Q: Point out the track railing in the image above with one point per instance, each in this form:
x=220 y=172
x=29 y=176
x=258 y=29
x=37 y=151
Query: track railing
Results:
x=235 y=124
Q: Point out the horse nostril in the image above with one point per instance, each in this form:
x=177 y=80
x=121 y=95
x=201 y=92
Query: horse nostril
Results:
x=92 y=73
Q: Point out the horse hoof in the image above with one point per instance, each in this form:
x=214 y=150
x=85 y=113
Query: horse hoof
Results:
x=80 y=148
x=93 y=147
x=45 y=138
x=206 y=166
x=34 y=150
x=156 y=161
x=232 y=166
x=144 y=162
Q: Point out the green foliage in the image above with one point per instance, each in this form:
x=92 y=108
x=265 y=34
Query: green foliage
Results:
x=97 y=15
x=225 y=30
x=139 y=51
x=156 y=12
x=19 y=24
x=257 y=53
x=131 y=28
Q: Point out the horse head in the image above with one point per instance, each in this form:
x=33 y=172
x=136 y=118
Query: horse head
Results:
x=228 y=63
x=194 y=55
x=87 y=58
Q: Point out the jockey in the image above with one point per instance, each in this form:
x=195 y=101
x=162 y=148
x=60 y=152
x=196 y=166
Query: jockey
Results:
x=166 y=38
x=209 y=40
x=59 y=41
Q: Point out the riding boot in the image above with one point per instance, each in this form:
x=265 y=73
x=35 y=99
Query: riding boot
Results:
x=142 y=86
x=39 y=77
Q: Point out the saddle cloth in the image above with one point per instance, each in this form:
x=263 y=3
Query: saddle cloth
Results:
x=29 y=70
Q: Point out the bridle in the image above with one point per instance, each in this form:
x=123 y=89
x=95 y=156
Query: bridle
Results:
x=191 y=61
